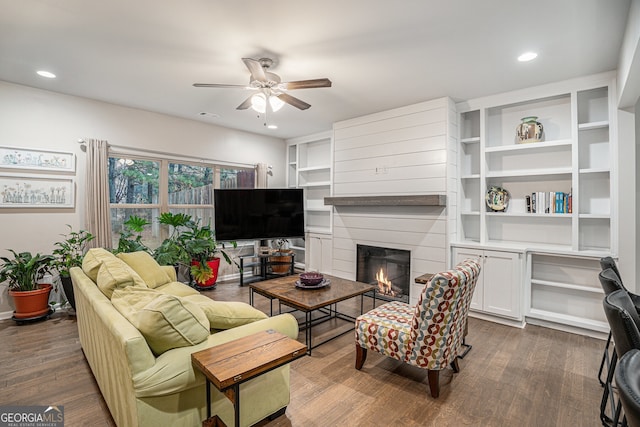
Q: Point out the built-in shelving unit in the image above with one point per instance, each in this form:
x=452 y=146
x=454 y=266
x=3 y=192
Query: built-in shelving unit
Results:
x=575 y=157
x=309 y=161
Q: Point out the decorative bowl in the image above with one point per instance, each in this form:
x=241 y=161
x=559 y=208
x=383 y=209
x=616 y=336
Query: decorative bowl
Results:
x=311 y=278
x=497 y=199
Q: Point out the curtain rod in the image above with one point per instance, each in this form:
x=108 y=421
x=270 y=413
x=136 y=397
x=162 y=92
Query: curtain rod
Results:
x=177 y=156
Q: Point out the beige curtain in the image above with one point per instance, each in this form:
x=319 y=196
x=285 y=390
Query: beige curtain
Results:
x=262 y=171
x=97 y=214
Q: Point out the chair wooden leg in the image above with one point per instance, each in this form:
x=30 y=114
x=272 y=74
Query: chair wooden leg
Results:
x=434 y=383
x=455 y=366
x=361 y=356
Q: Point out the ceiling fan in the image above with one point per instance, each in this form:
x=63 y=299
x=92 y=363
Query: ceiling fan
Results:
x=272 y=90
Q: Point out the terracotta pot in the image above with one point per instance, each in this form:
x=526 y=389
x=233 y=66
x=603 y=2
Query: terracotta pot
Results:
x=31 y=304
x=281 y=268
x=214 y=265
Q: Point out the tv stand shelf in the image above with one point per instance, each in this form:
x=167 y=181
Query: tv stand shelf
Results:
x=263 y=263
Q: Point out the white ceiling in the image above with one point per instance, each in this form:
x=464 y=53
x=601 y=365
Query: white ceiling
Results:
x=379 y=54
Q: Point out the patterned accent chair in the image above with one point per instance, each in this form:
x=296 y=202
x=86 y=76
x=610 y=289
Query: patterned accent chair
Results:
x=428 y=335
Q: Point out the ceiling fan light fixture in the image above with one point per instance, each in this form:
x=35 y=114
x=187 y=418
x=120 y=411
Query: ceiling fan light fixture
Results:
x=276 y=103
x=259 y=103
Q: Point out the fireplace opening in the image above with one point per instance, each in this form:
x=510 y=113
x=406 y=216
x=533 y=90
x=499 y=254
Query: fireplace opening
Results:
x=387 y=268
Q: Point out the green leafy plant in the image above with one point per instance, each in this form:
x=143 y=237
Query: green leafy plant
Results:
x=171 y=251
x=24 y=270
x=70 y=251
x=131 y=236
x=200 y=243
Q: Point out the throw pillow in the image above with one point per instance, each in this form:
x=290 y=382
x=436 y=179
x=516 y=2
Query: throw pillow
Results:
x=177 y=289
x=147 y=267
x=165 y=321
x=93 y=260
x=114 y=274
x=226 y=314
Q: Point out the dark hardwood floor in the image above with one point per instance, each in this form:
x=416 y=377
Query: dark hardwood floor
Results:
x=512 y=377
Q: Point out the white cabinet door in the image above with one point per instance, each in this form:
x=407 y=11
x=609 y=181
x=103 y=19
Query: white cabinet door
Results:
x=502 y=283
x=460 y=254
x=318 y=253
x=498 y=290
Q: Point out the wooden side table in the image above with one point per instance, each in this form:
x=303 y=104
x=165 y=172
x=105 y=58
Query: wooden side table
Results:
x=229 y=365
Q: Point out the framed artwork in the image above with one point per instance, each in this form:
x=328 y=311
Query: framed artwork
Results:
x=36 y=192
x=25 y=158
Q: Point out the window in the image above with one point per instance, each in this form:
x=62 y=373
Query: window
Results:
x=148 y=187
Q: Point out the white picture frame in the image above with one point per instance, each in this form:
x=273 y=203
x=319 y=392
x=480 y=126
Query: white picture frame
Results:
x=36 y=192
x=36 y=159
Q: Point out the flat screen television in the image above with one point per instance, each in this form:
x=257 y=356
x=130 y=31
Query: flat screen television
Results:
x=258 y=213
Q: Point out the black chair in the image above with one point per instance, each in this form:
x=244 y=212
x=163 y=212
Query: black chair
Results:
x=608 y=262
x=611 y=281
x=624 y=323
x=628 y=382
x=609 y=284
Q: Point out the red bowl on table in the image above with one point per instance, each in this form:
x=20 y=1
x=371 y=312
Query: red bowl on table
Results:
x=311 y=278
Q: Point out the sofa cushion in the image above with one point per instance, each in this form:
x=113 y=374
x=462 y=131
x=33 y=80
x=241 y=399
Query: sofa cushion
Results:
x=165 y=321
x=114 y=274
x=177 y=289
x=146 y=267
x=226 y=314
x=93 y=260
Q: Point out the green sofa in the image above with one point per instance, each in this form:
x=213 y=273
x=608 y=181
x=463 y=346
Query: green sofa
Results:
x=142 y=388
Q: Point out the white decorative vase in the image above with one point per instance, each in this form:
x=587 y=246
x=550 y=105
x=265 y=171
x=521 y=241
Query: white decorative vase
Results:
x=530 y=130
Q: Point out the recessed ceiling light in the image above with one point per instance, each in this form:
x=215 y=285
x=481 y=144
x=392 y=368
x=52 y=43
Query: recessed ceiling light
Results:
x=46 y=74
x=272 y=127
x=528 y=56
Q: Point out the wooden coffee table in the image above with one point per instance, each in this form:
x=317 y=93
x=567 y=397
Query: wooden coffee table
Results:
x=230 y=364
x=309 y=300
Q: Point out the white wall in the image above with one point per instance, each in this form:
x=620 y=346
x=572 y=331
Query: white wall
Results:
x=629 y=60
x=33 y=118
x=628 y=186
x=636 y=238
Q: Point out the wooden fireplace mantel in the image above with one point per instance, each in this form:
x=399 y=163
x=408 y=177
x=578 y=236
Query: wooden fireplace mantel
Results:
x=412 y=200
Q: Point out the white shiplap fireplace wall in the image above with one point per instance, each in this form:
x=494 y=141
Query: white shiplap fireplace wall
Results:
x=405 y=151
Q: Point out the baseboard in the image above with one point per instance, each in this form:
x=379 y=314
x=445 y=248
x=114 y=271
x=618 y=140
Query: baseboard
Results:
x=496 y=319
x=567 y=328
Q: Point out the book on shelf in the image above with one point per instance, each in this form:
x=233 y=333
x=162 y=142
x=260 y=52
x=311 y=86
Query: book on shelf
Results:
x=549 y=202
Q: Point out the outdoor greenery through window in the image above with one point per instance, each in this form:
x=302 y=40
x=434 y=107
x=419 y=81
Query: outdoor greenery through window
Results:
x=147 y=188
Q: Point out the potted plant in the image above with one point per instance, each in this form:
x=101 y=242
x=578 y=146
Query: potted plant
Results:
x=200 y=244
x=281 y=259
x=69 y=253
x=171 y=251
x=22 y=273
x=131 y=236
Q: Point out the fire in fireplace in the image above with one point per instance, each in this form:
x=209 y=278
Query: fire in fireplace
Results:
x=386 y=267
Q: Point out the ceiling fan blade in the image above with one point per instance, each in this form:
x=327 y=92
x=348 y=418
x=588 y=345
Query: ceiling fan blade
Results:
x=298 y=103
x=306 y=84
x=256 y=70
x=220 y=85
x=245 y=105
